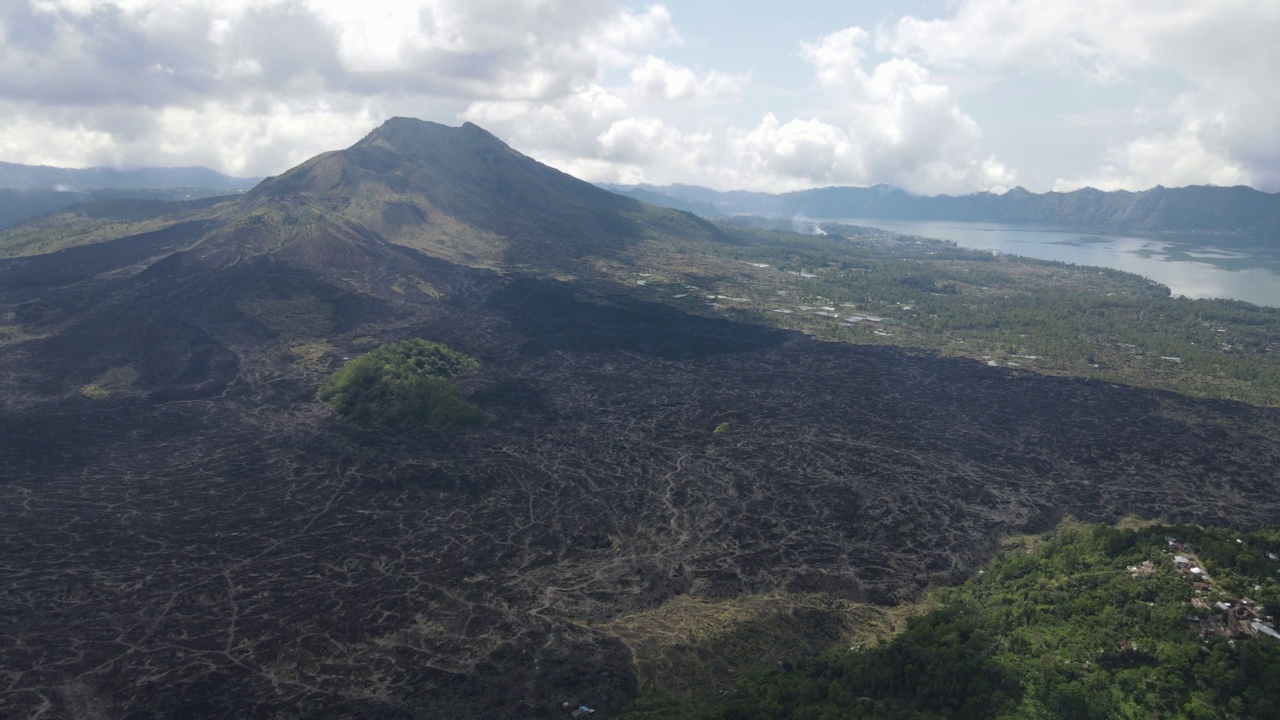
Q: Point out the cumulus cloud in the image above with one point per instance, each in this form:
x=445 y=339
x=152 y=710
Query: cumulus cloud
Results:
x=660 y=79
x=562 y=129
x=98 y=50
x=1221 y=129
x=156 y=54
x=267 y=65
x=594 y=87
x=598 y=135
x=887 y=122
x=274 y=134
x=1174 y=160
x=890 y=123
x=1096 y=37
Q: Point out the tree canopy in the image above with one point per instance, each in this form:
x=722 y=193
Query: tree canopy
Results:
x=1094 y=623
x=402 y=385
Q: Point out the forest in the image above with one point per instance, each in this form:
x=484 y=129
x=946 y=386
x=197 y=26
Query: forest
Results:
x=1089 y=622
x=402 y=385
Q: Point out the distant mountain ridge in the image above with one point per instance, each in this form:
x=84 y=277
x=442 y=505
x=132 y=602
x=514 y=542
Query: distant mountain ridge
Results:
x=28 y=191
x=44 y=177
x=1239 y=211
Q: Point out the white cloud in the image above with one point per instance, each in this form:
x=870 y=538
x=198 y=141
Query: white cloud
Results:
x=890 y=124
x=493 y=49
x=596 y=135
x=593 y=86
x=273 y=133
x=1031 y=33
x=659 y=79
x=648 y=142
x=36 y=141
x=799 y=153
x=80 y=63
x=1221 y=129
x=805 y=153
x=1173 y=160
x=475 y=48
x=568 y=127
x=251 y=86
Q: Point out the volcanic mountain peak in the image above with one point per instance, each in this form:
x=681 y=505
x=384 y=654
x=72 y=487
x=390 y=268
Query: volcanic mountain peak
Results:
x=426 y=147
x=414 y=137
x=410 y=156
x=456 y=193
x=349 y=239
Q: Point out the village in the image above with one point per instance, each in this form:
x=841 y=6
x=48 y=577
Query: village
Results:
x=1216 y=611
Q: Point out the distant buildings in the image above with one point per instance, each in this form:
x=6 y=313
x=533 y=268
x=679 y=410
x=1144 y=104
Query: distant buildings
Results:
x=1260 y=629
x=1241 y=618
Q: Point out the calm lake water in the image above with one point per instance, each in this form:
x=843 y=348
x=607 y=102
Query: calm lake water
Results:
x=1188 y=265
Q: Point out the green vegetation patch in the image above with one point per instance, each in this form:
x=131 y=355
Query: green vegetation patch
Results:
x=690 y=651
x=115 y=381
x=867 y=286
x=68 y=230
x=400 y=386
x=1096 y=622
x=311 y=354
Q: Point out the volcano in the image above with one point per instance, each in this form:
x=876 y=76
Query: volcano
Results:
x=352 y=237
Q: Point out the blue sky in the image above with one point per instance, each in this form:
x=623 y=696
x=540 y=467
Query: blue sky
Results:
x=952 y=96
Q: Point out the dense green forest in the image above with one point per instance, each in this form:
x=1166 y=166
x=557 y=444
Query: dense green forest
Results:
x=1095 y=622
x=1092 y=623
x=1047 y=316
x=402 y=385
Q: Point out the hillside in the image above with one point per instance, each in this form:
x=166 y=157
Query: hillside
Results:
x=33 y=206
x=459 y=193
x=655 y=448
x=1090 y=622
x=1233 y=211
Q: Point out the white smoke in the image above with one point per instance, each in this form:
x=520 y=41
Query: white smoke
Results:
x=805 y=226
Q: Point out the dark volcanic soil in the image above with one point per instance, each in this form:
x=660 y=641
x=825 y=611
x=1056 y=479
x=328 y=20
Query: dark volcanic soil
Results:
x=239 y=554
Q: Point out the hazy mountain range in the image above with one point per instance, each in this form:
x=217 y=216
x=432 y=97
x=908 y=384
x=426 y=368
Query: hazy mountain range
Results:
x=1239 y=211
x=43 y=177
x=28 y=191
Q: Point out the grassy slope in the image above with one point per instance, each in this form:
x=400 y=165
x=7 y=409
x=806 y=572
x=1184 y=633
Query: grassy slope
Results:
x=691 y=651
x=101 y=221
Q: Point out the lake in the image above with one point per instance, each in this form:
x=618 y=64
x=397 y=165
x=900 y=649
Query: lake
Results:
x=1188 y=265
